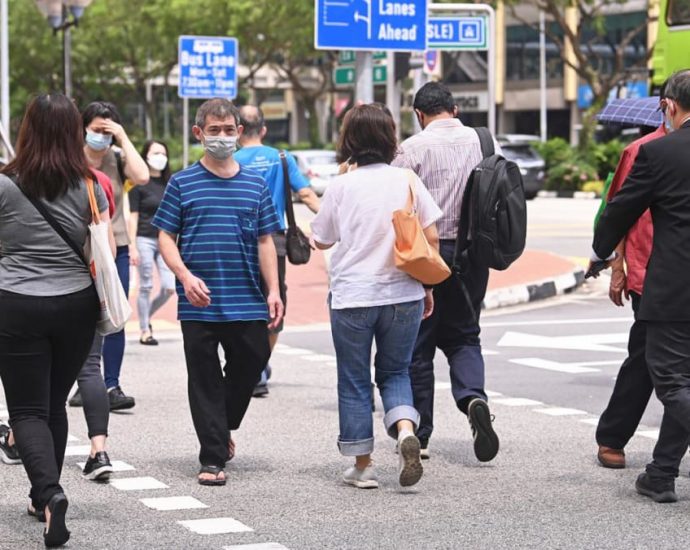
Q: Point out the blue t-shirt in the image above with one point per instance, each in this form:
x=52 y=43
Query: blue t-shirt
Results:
x=218 y=221
x=266 y=161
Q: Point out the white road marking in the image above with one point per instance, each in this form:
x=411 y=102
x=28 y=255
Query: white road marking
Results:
x=490 y=393
x=173 y=503
x=317 y=358
x=490 y=352
x=137 y=484
x=651 y=434
x=442 y=386
x=70 y=438
x=77 y=450
x=581 y=342
x=215 y=526
x=535 y=362
x=118 y=466
x=292 y=351
x=260 y=546
x=551 y=322
x=560 y=411
x=517 y=402
x=590 y=421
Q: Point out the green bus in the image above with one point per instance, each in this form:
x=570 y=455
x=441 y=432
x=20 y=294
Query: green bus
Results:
x=672 y=48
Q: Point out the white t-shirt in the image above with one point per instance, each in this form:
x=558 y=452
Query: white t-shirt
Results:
x=357 y=214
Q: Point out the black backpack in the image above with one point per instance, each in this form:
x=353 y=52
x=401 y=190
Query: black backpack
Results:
x=493 y=218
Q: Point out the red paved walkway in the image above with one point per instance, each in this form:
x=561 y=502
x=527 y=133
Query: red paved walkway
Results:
x=308 y=286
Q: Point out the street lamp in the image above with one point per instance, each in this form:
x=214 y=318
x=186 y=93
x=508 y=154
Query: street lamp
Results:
x=58 y=12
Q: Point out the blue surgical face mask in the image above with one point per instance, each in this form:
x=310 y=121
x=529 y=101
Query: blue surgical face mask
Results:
x=220 y=147
x=98 y=142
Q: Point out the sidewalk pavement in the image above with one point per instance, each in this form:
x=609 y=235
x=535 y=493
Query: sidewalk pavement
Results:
x=534 y=276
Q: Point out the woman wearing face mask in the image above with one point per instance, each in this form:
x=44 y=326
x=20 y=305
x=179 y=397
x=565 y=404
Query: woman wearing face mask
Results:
x=102 y=130
x=143 y=204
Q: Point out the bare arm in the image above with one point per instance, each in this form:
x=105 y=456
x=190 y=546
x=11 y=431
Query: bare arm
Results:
x=136 y=169
x=105 y=217
x=431 y=234
x=618 y=278
x=268 y=265
x=195 y=289
x=132 y=227
x=308 y=197
x=322 y=246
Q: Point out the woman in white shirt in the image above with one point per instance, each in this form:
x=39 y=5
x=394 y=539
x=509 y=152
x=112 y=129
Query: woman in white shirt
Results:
x=370 y=298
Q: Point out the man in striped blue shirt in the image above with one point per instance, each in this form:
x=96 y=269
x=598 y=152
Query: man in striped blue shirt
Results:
x=216 y=221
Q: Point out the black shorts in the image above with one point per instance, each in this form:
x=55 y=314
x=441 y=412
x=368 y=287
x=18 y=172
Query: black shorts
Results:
x=279 y=240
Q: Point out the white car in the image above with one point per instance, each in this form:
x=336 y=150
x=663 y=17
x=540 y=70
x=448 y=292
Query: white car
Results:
x=318 y=166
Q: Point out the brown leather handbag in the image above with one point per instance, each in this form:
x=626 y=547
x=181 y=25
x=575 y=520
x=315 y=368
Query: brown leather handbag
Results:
x=413 y=253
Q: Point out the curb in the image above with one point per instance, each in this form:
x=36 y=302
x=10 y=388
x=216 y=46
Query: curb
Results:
x=531 y=292
x=582 y=195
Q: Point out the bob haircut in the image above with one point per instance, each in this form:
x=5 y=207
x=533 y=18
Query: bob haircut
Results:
x=367 y=136
x=50 y=155
x=102 y=109
x=165 y=173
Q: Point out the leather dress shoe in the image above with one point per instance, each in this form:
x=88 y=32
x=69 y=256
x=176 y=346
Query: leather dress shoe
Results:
x=611 y=458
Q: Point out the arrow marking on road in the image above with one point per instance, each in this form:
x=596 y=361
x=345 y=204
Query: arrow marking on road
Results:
x=583 y=342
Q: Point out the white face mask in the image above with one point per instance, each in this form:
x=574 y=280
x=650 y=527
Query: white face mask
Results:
x=157 y=161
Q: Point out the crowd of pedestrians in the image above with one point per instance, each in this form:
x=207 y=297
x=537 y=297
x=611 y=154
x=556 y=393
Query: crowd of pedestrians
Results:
x=218 y=229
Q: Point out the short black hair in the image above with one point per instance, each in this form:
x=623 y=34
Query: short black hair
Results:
x=678 y=88
x=102 y=109
x=433 y=99
x=252 y=120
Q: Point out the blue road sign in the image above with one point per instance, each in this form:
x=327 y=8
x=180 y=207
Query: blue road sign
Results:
x=208 y=67
x=457 y=33
x=370 y=25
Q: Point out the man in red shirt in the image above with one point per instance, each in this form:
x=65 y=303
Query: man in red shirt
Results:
x=633 y=386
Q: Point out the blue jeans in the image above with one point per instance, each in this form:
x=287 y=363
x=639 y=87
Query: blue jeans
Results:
x=394 y=328
x=148 y=256
x=114 y=344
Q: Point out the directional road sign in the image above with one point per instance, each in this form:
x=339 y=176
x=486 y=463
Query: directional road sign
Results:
x=370 y=25
x=347 y=57
x=343 y=76
x=208 y=67
x=457 y=33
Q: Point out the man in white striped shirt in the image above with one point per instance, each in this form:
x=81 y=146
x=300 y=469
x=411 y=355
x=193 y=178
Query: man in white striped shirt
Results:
x=443 y=155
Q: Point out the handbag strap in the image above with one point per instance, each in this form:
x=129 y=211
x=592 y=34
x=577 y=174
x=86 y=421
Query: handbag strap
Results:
x=54 y=223
x=289 y=209
x=409 y=207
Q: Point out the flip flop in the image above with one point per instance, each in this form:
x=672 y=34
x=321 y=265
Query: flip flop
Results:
x=214 y=470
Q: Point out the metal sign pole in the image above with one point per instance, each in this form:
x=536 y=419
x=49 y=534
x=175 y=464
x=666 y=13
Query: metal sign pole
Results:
x=542 y=76
x=364 y=83
x=4 y=69
x=185 y=132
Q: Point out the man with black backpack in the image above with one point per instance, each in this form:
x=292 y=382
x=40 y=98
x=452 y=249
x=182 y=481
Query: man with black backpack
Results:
x=445 y=155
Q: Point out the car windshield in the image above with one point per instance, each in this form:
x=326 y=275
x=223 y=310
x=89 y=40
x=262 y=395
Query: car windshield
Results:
x=519 y=152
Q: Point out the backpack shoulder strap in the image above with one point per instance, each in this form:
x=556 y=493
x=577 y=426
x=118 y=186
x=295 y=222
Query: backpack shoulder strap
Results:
x=486 y=141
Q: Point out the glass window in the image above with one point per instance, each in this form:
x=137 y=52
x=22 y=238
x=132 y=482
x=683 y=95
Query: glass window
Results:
x=678 y=12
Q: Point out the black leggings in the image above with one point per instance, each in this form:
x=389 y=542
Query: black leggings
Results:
x=44 y=341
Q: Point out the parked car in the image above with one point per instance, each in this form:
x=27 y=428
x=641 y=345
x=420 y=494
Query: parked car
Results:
x=516 y=147
x=318 y=166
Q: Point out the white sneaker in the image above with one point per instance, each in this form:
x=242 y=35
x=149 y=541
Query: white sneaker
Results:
x=363 y=479
x=410 y=465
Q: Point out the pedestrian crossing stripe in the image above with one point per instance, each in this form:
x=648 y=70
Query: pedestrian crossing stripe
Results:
x=173 y=503
x=137 y=484
x=215 y=526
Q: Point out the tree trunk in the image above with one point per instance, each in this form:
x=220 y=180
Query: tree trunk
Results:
x=589 y=126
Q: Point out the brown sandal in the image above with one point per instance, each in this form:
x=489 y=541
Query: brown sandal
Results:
x=215 y=471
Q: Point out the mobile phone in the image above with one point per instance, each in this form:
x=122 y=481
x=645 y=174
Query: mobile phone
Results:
x=598 y=267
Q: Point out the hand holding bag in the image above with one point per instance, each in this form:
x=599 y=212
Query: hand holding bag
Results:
x=296 y=242
x=115 y=308
x=413 y=253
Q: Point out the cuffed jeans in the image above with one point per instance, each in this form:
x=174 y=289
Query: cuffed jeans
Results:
x=454 y=329
x=148 y=256
x=44 y=341
x=394 y=328
x=114 y=344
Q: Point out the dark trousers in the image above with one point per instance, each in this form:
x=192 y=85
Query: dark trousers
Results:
x=114 y=344
x=668 y=359
x=453 y=329
x=631 y=392
x=93 y=392
x=43 y=344
x=218 y=399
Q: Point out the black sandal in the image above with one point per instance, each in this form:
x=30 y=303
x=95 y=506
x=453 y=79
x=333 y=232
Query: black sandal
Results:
x=34 y=513
x=214 y=470
x=57 y=534
x=148 y=341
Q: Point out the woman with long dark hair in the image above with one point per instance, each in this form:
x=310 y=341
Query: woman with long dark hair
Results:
x=144 y=252
x=48 y=304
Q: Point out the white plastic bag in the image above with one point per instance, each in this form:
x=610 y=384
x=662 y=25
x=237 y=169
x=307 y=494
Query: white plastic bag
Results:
x=115 y=308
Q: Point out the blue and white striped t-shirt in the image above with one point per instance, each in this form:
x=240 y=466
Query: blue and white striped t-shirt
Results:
x=218 y=221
